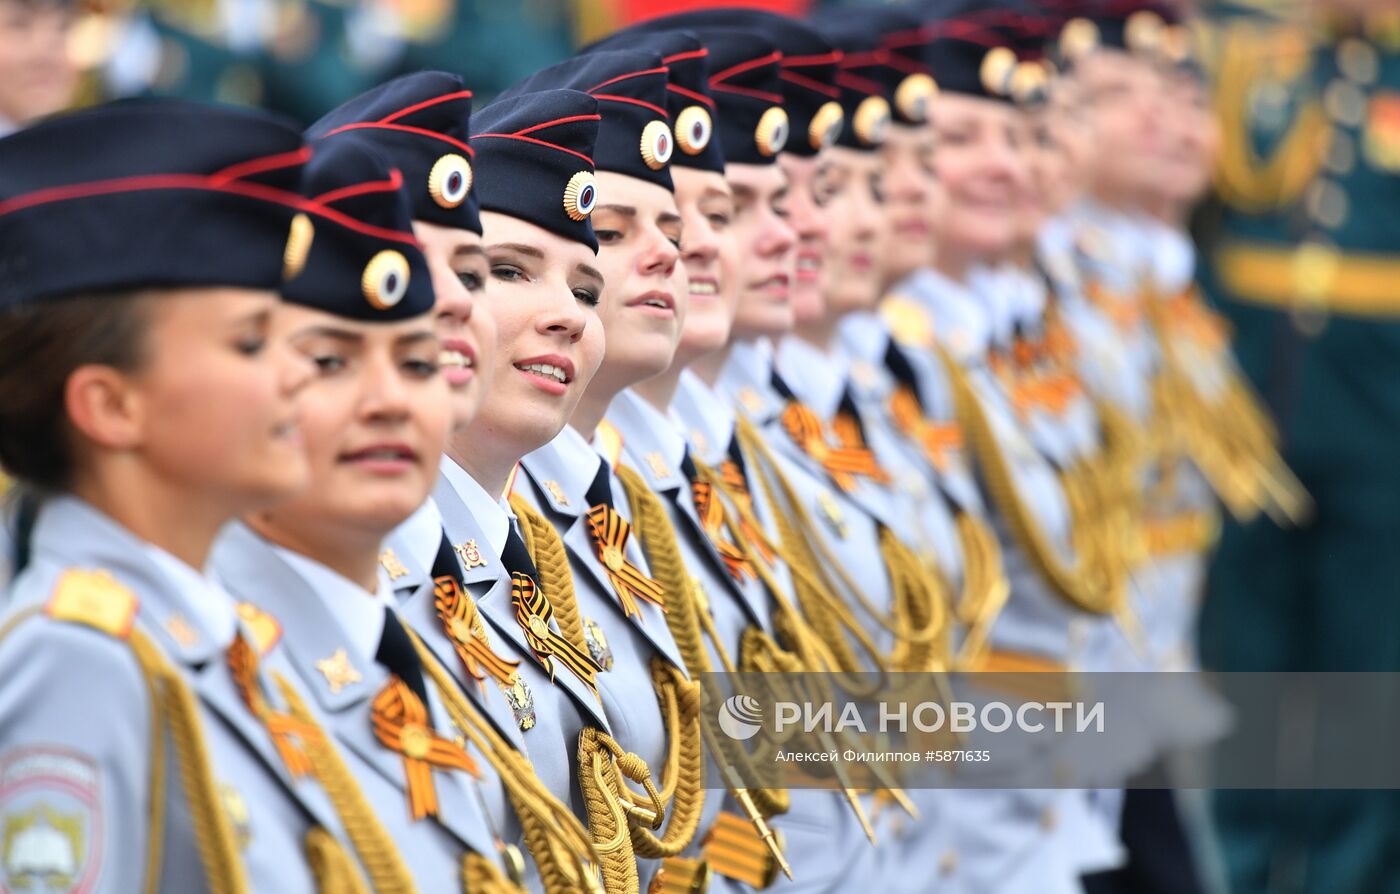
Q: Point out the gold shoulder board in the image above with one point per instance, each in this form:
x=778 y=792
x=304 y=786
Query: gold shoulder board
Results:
x=94 y=598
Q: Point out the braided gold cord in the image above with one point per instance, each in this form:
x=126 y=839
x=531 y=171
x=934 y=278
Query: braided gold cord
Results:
x=555 y=837
x=552 y=563
x=1080 y=584
x=335 y=872
x=688 y=620
x=213 y=831
x=481 y=876
x=379 y=855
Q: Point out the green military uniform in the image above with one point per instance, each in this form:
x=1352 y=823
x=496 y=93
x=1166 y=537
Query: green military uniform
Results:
x=1306 y=264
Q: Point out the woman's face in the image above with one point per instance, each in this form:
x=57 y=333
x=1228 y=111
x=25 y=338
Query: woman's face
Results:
x=913 y=199
x=643 y=304
x=710 y=255
x=981 y=163
x=859 y=227
x=1046 y=167
x=807 y=193
x=543 y=295
x=217 y=397
x=37 y=77
x=765 y=241
x=1123 y=107
x=1190 y=140
x=374 y=420
x=464 y=325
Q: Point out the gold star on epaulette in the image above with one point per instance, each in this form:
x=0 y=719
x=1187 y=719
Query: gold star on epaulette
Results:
x=657 y=465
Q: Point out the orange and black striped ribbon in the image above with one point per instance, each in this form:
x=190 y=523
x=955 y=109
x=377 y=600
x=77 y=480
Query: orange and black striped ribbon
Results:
x=400 y=722
x=711 y=512
x=287 y=732
x=843 y=464
x=610 y=532
x=462 y=623
x=734 y=479
x=937 y=440
x=533 y=613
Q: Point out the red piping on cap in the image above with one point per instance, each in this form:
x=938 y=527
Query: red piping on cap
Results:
x=543 y=124
x=741 y=67
x=819 y=59
x=261 y=165
x=394 y=183
x=628 y=75
x=408 y=110
x=859 y=84
x=516 y=136
x=812 y=84
x=636 y=102
x=688 y=54
x=691 y=94
x=422 y=132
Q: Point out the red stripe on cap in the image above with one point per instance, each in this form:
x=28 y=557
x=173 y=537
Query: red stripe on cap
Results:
x=150 y=183
x=636 y=102
x=262 y=165
x=865 y=59
x=859 y=84
x=516 y=136
x=905 y=64
x=627 y=76
x=741 y=67
x=907 y=38
x=775 y=98
x=394 y=183
x=688 y=54
x=691 y=94
x=427 y=103
x=567 y=120
x=200 y=183
x=812 y=84
x=820 y=59
x=405 y=128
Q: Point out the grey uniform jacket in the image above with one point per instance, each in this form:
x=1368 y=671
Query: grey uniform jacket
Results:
x=76 y=739
x=343 y=682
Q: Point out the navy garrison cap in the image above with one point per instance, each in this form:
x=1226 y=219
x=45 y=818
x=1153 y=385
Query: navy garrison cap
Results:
x=878 y=84
x=744 y=82
x=146 y=194
x=421 y=124
x=1148 y=28
x=352 y=251
x=634 y=135
x=807 y=71
x=688 y=99
x=973 y=50
x=534 y=152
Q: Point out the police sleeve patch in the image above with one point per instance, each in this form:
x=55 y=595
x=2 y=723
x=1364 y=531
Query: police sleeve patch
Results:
x=50 y=823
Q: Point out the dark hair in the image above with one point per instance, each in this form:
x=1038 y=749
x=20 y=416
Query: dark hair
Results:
x=40 y=347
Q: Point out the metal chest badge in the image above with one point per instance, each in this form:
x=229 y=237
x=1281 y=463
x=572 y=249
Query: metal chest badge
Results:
x=521 y=701
x=597 y=644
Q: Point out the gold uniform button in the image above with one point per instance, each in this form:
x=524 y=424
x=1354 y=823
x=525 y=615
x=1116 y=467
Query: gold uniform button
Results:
x=1358 y=60
x=459 y=630
x=538 y=627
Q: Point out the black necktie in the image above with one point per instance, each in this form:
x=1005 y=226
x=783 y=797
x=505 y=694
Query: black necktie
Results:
x=516 y=557
x=600 y=491
x=397 y=655
x=903 y=371
x=688 y=469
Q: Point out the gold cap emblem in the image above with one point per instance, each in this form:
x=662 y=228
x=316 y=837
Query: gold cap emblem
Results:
x=693 y=129
x=298 y=246
x=656 y=145
x=385 y=280
x=912 y=95
x=450 y=180
x=872 y=119
x=771 y=135
x=580 y=195
x=996 y=70
x=1078 y=38
x=826 y=125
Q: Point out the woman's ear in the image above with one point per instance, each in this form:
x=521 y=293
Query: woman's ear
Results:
x=105 y=406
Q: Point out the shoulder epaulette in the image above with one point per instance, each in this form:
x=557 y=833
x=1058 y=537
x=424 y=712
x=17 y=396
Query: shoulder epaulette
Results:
x=265 y=629
x=95 y=598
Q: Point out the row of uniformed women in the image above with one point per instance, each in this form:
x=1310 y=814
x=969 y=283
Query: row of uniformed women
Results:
x=408 y=581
